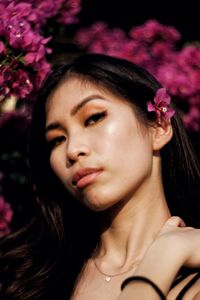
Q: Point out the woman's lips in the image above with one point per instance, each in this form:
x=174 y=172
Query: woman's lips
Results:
x=87 y=179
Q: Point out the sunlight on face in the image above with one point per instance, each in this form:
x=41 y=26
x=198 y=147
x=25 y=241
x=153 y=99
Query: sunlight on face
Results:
x=98 y=150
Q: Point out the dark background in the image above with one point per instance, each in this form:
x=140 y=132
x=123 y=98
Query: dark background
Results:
x=185 y=16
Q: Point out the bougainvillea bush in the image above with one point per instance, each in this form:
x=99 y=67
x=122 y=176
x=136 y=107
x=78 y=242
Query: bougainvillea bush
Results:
x=24 y=50
x=26 y=36
x=155 y=47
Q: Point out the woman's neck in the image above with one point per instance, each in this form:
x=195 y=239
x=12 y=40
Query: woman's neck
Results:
x=131 y=229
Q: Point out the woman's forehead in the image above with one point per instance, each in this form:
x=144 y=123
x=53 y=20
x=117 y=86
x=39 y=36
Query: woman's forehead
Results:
x=75 y=88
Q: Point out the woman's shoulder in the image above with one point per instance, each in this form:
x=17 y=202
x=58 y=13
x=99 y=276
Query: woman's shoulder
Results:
x=186 y=286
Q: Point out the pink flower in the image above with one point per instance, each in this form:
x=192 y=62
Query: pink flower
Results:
x=22 y=85
x=6 y=215
x=161 y=107
x=69 y=11
x=152 y=30
x=2 y=47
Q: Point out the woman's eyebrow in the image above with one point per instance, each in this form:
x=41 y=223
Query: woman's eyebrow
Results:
x=52 y=126
x=77 y=107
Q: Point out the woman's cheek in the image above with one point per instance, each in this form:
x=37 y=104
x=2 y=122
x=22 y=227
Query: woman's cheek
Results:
x=108 y=131
x=105 y=138
x=56 y=161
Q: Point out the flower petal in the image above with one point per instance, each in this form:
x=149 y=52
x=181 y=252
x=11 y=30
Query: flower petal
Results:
x=150 y=106
x=162 y=96
x=170 y=112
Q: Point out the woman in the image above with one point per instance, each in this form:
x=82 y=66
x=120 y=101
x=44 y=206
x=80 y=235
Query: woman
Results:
x=111 y=164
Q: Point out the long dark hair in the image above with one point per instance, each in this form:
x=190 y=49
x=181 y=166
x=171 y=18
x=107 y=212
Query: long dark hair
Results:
x=43 y=260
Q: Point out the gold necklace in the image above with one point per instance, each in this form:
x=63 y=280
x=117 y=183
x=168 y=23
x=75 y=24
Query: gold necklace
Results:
x=109 y=276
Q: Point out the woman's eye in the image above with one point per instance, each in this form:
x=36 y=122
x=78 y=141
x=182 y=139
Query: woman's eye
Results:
x=94 y=118
x=55 y=142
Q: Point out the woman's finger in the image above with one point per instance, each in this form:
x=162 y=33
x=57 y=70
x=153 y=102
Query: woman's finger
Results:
x=175 y=221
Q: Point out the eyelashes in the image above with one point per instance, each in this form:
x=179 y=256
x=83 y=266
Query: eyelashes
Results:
x=55 y=142
x=90 y=121
x=95 y=118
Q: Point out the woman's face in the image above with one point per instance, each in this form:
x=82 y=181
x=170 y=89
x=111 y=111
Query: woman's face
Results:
x=98 y=150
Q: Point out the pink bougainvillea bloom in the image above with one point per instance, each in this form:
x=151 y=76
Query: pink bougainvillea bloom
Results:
x=6 y=215
x=161 y=107
x=26 y=49
x=152 y=30
x=69 y=11
x=22 y=85
x=2 y=47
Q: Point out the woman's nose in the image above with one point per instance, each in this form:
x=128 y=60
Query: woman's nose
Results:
x=76 y=150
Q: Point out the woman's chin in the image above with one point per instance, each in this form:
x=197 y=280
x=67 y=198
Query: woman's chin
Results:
x=97 y=204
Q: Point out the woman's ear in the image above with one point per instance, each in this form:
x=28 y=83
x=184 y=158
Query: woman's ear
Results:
x=161 y=134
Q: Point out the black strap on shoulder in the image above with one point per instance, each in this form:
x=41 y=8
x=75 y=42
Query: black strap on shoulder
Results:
x=183 y=273
x=187 y=286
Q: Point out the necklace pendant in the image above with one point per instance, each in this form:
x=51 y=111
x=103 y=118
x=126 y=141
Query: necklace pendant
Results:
x=108 y=278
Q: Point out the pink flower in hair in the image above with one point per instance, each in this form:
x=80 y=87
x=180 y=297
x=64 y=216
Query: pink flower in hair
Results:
x=162 y=105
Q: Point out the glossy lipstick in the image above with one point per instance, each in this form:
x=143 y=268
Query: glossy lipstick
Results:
x=85 y=177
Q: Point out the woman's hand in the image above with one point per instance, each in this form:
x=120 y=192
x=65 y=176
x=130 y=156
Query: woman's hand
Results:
x=176 y=245
x=184 y=241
